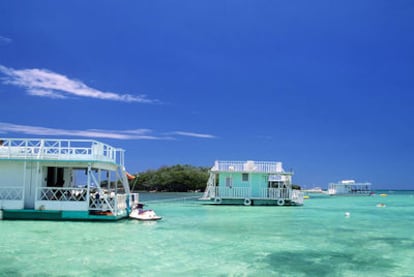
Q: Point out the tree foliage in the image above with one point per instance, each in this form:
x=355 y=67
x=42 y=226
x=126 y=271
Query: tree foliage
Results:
x=179 y=178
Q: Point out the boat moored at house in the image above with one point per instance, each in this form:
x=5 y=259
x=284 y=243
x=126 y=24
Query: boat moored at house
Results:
x=350 y=188
x=63 y=179
x=315 y=192
x=251 y=183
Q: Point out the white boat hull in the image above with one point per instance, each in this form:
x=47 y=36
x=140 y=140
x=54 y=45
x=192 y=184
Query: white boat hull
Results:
x=144 y=215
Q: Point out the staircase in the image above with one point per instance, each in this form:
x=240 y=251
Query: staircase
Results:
x=210 y=191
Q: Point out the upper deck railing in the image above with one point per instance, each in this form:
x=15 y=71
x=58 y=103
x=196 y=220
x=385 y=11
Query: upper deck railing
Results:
x=60 y=149
x=249 y=166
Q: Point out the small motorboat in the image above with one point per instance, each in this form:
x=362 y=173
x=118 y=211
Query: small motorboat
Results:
x=144 y=215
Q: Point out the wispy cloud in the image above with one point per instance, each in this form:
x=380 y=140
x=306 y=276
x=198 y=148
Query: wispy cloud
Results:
x=191 y=134
x=132 y=134
x=45 y=83
x=5 y=41
x=46 y=93
x=138 y=134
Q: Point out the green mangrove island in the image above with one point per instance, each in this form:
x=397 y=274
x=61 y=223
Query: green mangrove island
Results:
x=176 y=178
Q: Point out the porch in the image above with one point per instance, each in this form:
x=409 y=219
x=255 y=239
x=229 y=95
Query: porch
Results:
x=247 y=192
x=76 y=202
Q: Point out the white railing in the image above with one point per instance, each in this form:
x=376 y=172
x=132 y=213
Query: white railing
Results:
x=102 y=201
x=275 y=193
x=59 y=149
x=234 y=192
x=97 y=203
x=248 y=166
x=62 y=194
x=266 y=193
x=109 y=201
x=11 y=193
x=121 y=202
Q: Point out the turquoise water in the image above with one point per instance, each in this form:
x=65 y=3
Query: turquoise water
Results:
x=192 y=239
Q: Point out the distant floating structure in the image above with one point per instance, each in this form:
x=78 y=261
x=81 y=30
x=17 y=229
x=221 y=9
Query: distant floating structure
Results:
x=350 y=187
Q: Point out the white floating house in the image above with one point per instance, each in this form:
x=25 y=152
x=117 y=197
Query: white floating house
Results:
x=251 y=183
x=63 y=179
x=349 y=187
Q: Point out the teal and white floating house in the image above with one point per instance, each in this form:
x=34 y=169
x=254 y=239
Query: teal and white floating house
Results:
x=63 y=179
x=251 y=183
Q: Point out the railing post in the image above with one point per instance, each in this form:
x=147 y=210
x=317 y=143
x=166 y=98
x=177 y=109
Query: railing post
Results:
x=88 y=182
x=115 y=208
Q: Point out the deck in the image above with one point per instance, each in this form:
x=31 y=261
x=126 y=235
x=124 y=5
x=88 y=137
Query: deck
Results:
x=217 y=194
x=60 y=150
x=249 y=166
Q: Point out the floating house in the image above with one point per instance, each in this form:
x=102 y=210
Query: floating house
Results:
x=251 y=183
x=63 y=179
x=349 y=187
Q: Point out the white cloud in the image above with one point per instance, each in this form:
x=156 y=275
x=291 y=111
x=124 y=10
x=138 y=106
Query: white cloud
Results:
x=45 y=83
x=195 y=135
x=46 y=93
x=91 y=133
x=133 y=134
x=4 y=40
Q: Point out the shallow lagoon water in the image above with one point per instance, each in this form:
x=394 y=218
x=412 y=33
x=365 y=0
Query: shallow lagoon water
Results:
x=193 y=239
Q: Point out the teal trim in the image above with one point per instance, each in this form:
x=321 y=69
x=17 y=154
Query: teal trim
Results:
x=75 y=214
x=32 y=214
x=58 y=215
x=254 y=202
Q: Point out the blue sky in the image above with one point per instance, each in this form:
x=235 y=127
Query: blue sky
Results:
x=326 y=87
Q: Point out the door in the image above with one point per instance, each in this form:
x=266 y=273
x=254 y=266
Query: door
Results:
x=30 y=185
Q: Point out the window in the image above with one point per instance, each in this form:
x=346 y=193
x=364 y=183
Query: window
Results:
x=229 y=182
x=245 y=177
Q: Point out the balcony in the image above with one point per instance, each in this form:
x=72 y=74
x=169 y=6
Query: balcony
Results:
x=249 y=166
x=60 y=149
